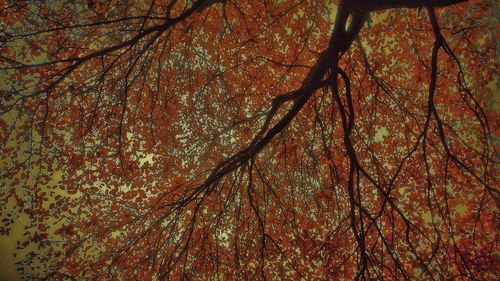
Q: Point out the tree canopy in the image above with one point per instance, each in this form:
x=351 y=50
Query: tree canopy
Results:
x=250 y=140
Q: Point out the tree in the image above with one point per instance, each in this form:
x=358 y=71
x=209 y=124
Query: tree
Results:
x=205 y=139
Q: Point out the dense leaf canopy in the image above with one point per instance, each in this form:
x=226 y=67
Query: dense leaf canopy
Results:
x=250 y=140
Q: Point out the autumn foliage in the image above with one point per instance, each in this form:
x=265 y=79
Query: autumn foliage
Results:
x=250 y=140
